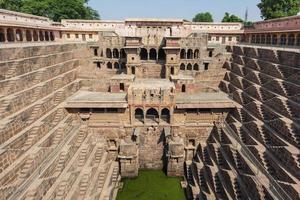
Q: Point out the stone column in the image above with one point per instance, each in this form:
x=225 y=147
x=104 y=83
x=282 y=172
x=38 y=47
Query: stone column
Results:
x=24 y=37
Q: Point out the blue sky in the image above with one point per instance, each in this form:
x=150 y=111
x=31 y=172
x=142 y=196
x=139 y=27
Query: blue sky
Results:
x=180 y=9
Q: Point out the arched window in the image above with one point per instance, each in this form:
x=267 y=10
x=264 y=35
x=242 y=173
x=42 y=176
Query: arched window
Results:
x=182 y=67
x=183 y=88
x=109 y=65
x=52 y=38
x=172 y=71
x=291 y=39
x=41 y=35
x=35 y=36
x=182 y=54
x=28 y=36
x=283 y=39
x=46 y=36
x=19 y=35
x=152 y=115
x=165 y=115
x=123 y=53
x=116 y=53
x=196 y=53
x=274 y=39
x=10 y=35
x=153 y=54
x=190 y=54
x=116 y=65
x=139 y=114
x=161 y=54
x=189 y=67
x=210 y=54
x=108 y=53
x=2 y=35
x=144 y=54
x=196 y=67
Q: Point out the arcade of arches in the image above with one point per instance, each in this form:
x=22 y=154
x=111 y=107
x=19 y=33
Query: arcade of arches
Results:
x=25 y=35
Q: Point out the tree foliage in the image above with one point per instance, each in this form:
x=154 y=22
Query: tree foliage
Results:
x=203 y=17
x=271 y=9
x=54 y=9
x=231 y=18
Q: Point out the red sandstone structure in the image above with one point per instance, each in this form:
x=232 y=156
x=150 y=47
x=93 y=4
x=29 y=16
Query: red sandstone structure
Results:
x=84 y=103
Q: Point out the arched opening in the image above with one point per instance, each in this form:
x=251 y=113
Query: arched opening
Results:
x=268 y=41
x=123 y=65
x=165 y=115
x=47 y=36
x=274 y=39
x=139 y=114
x=263 y=39
x=19 y=35
x=257 y=40
x=182 y=67
x=10 y=35
x=196 y=67
x=182 y=54
x=115 y=53
x=183 y=88
x=190 y=54
x=298 y=40
x=52 y=38
x=41 y=35
x=2 y=35
x=35 y=36
x=253 y=39
x=28 y=36
x=153 y=54
x=161 y=55
x=144 y=54
x=108 y=53
x=210 y=54
x=189 y=67
x=132 y=70
x=109 y=65
x=283 y=39
x=291 y=39
x=152 y=115
x=172 y=71
x=122 y=87
x=96 y=52
x=116 y=65
x=123 y=53
x=196 y=53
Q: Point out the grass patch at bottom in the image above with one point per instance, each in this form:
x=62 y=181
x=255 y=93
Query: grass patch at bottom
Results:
x=151 y=185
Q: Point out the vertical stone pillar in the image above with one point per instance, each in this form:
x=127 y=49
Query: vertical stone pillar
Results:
x=175 y=156
x=24 y=37
x=128 y=159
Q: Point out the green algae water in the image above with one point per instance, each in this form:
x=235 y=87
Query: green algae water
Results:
x=151 y=185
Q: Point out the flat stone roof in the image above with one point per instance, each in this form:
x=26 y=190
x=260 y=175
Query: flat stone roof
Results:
x=152 y=84
x=204 y=100
x=87 y=99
